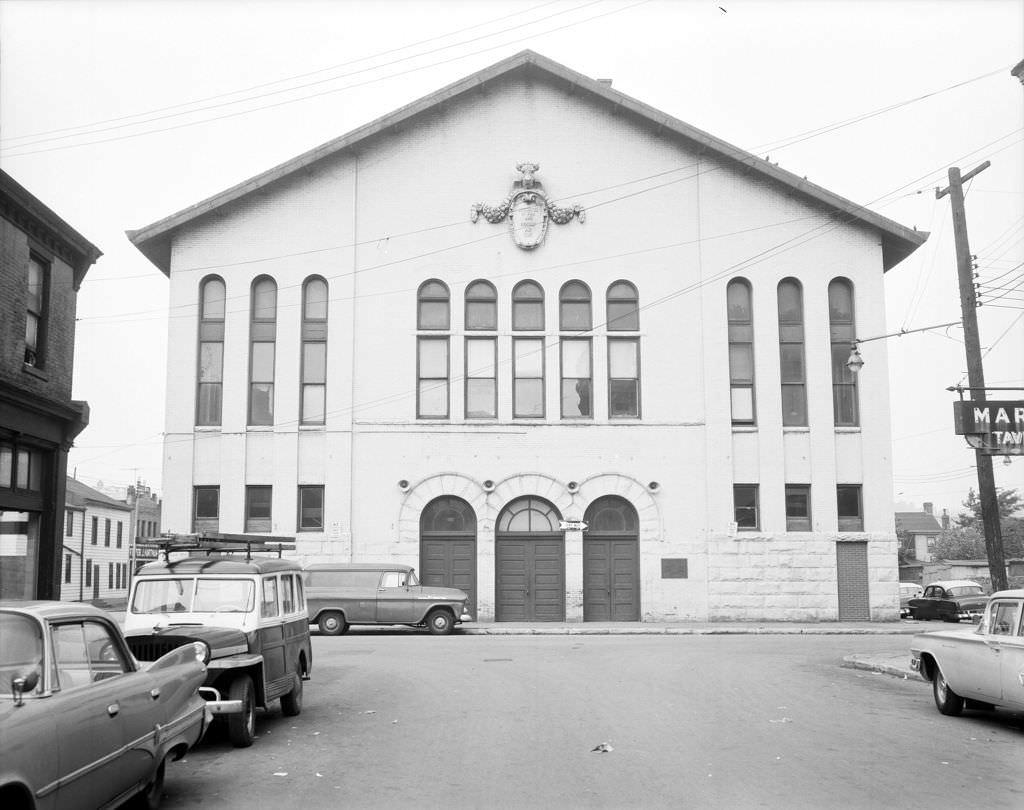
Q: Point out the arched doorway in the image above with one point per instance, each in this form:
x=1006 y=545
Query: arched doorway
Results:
x=611 y=561
x=529 y=566
x=448 y=546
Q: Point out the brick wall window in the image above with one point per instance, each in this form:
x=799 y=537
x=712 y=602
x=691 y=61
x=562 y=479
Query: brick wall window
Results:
x=262 y=351
x=205 y=509
x=623 y=304
x=314 y=352
x=35 y=312
x=798 y=507
x=741 y=351
x=841 y=327
x=258 y=508
x=432 y=370
x=746 y=507
x=528 y=377
x=577 y=378
x=791 y=353
x=481 y=378
x=623 y=377
x=311 y=509
x=851 y=508
x=210 y=376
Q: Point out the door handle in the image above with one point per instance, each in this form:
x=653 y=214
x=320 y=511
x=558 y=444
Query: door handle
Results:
x=154 y=693
x=113 y=709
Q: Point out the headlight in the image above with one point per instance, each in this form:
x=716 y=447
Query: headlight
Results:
x=202 y=650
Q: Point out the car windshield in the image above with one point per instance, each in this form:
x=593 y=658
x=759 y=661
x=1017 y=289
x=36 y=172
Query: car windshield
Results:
x=965 y=590
x=21 y=648
x=193 y=595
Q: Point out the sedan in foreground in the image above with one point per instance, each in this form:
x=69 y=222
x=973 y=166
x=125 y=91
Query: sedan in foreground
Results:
x=84 y=725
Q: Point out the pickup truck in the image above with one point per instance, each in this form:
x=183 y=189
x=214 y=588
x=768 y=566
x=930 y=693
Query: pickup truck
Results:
x=980 y=668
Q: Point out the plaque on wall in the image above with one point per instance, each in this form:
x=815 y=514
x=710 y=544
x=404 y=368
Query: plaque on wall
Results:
x=674 y=568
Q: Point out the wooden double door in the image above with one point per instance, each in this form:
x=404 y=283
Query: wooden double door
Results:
x=530 y=579
x=611 y=582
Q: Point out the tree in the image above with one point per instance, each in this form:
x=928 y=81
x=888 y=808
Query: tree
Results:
x=1008 y=500
x=958 y=543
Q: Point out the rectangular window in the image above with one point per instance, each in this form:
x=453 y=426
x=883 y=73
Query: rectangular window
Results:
x=261 y=383
x=211 y=382
x=206 y=509
x=794 y=389
x=577 y=379
x=35 y=315
x=741 y=380
x=314 y=383
x=6 y=466
x=623 y=377
x=110 y=575
x=88 y=573
x=528 y=377
x=311 y=509
x=95 y=530
x=481 y=379
x=268 y=604
x=106 y=532
x=432 y=367
x=844 y=387
x=851 y=509
x=798 y=507
x=67 y=568
x=119 y=529
x=69 y=523
x=257 y=509
x=745 y=506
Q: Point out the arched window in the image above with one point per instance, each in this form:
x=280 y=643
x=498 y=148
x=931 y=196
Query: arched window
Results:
x=313 y=393
x=529 y=515
x=741 y=351
x=481 y=306
x=611 y=515
x=527 y=306
x=574 y=307
x=209 y=393
x=623 y=307
x=844 y=381
x=791 y=352
x=262 y=350
x=434 y=310
x=448 y=516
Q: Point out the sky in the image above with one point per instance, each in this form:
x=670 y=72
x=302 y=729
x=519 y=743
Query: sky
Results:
x=117 y=113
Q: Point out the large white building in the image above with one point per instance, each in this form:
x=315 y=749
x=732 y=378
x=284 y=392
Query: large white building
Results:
x=548 y=344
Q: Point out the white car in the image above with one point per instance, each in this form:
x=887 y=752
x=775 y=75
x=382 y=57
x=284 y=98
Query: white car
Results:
x=980 y=668
x=908 y=591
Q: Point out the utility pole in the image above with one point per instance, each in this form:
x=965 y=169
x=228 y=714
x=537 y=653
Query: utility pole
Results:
x=975 y=371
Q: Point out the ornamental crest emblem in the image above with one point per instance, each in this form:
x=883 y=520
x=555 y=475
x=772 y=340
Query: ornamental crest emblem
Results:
x=528 y=210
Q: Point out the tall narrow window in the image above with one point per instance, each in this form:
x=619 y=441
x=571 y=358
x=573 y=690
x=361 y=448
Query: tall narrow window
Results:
x=120 y=534
x=95 y=530
x=798 y=507
x=574 y=313
x=623 y=307
x=746 y=509
x=481 y=378
x=791 y=352
x=311 y=509
x=211 y=352
x=623 y=377
x=528 y=306
x=481 y=306
x=841 y=326
x=262 y=349
x=314 y=352
x=257 y=509
x=106 y=533
x=35 y=312
x=528 y=377
x=69 y=529
x=206 y=509
x=433 y=309
x=577 y=378
x=741 y=351
x=432 y=367
x=850 y=507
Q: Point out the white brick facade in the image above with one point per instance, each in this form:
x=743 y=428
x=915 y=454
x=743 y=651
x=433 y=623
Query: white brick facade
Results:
x=383 y=210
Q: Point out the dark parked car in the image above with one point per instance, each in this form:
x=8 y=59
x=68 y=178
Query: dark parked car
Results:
x=950 y=601
x=342 y=594
x=251 y=614
x=82 y=723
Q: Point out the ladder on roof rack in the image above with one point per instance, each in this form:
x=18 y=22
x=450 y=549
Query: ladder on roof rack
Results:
x=218 y=542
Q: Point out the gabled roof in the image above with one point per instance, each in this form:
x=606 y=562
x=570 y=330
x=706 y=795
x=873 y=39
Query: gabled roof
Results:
x=898 y=241
x=917 y=523
x=78 y=494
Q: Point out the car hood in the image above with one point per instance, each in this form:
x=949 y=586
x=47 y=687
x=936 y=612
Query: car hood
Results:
x=152 y=645
x=437 y=592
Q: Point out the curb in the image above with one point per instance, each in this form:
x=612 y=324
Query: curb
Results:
x=869 y=664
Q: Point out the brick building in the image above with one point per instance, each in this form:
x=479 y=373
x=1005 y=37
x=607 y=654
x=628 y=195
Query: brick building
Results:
x=43 y=261
x=550 y=345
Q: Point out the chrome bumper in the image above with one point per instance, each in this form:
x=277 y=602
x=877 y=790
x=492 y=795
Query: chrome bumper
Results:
x=216 y=705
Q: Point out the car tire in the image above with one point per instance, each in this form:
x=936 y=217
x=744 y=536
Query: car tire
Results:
x=947 y=701
x=440 y=622
x=153 y=793
x=332 y=623
x=291 y=704
x=242 y=727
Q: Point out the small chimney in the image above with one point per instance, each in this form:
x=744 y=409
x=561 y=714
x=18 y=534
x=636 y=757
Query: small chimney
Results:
x=945 y=518
x=928 y=507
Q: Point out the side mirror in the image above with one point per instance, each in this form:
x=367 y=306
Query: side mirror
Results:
x=22 y=684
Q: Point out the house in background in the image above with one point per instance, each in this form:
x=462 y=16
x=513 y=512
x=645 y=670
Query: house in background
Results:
x=918 y=532
x=97 y=545
x=43 y=262
x=547 y=344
